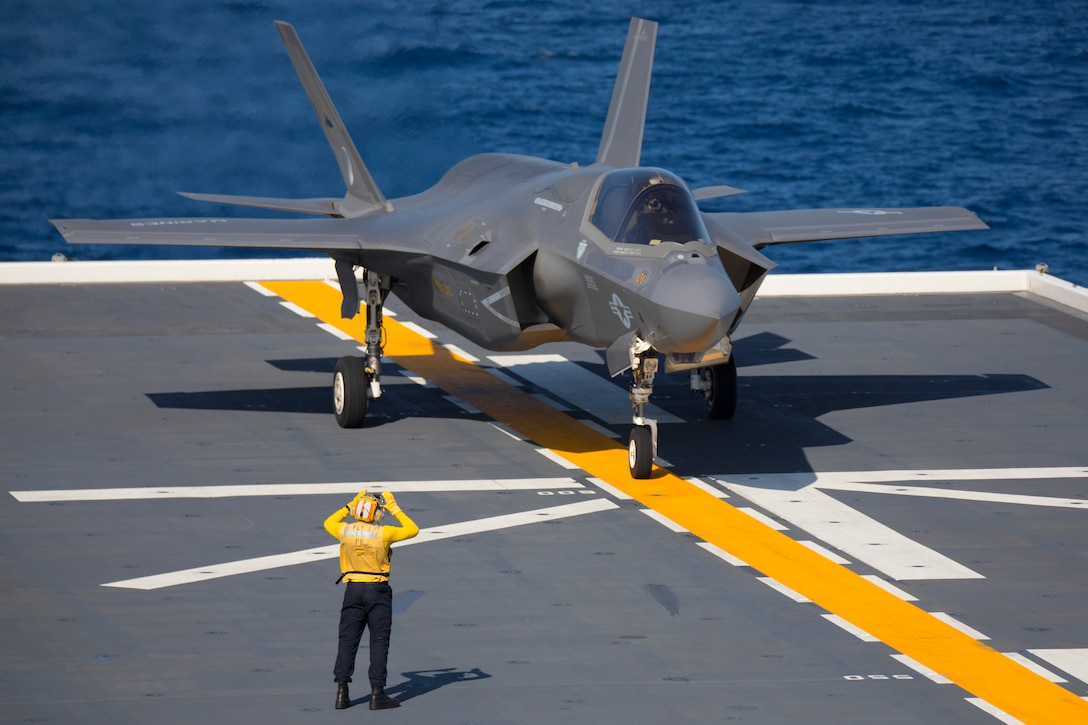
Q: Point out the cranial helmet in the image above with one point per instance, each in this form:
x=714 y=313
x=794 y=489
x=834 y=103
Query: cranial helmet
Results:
x=366 y=508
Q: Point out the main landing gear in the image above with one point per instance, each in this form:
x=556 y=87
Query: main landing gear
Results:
x=718 y=386
x=357 y=381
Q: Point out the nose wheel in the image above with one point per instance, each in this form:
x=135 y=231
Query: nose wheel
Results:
x=640 y=451
x=642 y=443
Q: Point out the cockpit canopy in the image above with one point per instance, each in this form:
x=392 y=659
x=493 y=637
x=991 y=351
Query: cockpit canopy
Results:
x=646 y=206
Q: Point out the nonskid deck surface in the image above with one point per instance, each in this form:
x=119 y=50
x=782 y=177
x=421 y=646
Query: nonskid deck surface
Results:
x=170 y=454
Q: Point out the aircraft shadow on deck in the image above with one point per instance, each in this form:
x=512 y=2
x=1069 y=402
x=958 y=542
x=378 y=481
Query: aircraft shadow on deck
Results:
x=402 y=399
x=766 y=348
x=272 y=400
x=777 y=416
x=309 y=365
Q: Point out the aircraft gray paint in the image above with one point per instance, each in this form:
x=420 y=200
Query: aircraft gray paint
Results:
x=514 y=251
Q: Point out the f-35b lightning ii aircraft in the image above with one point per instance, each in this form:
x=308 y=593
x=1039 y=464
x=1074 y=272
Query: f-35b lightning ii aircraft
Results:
x=514 y=251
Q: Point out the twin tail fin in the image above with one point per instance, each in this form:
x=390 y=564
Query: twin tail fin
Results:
x=363 y=196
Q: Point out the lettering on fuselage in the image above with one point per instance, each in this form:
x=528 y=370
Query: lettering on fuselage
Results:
x=548 y=204
x=620 y=310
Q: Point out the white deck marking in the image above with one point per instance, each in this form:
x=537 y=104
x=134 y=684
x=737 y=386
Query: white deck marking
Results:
x=297 y=310
x=609 y=489
x=784 y=590
x=552 y=402
x=1070 y=661
x=952 y=621
x=416 y=379
x=292 y=489
x=825 y=552
x=557 y=459
x=957 y=494
x=459 y=353
x=434 y=533
x=579 y=387
x=888 y=587
x=721 y=554
x=764 y=518
x=600 y=428
x=856 y=631
x=664 y=521
x=845 y=528
x=922 y=669
x=1035 y=667
x=335 y=331
x=989 y=709
x=502 y=427
x=419 y=330
x=261 y=289
x=712 y=490
x=462 y=404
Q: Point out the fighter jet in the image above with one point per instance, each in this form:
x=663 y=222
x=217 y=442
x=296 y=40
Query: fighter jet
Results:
x=514 y=251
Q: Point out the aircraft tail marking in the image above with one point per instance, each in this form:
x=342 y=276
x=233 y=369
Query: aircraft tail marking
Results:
x=621 y=142
x=360 y=183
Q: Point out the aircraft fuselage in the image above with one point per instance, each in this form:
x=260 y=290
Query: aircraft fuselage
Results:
x=504 y=251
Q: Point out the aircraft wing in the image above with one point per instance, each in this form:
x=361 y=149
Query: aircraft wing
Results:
x=765 y=228
x=320 y=235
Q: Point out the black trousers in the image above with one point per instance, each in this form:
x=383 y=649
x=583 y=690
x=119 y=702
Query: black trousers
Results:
x=366 y=605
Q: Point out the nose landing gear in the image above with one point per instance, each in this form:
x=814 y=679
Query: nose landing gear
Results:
x=642 y=443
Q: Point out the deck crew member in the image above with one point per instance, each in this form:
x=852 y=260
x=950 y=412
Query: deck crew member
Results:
x=368 y=600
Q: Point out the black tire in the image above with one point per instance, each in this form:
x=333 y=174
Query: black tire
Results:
x=349 y=384
x=640 y=452
x=721 y=400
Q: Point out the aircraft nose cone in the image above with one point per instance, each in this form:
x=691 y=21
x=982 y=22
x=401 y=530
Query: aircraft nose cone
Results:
x=694 y=305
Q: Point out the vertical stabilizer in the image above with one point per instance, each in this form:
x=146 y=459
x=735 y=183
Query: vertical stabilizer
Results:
x=621 y=142
x=360 y=183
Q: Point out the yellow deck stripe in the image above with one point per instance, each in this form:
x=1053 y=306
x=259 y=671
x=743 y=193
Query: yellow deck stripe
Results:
x=975 y=667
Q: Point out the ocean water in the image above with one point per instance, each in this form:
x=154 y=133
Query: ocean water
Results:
x=109 y=108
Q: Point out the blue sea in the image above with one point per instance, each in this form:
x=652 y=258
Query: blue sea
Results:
x=109 y=108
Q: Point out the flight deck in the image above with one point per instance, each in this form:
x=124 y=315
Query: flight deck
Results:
x=891 y=529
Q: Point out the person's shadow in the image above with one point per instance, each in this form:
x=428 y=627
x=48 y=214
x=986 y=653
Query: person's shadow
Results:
x=421 y=682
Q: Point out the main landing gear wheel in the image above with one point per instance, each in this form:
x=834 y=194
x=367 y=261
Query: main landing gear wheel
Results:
x=349 y=388
x=640 y=451
x=721 y=398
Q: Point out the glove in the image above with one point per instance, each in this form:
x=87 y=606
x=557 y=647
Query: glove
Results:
x=390 y=503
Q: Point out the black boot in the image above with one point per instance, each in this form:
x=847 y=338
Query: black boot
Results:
x=343 y=699
x=379 y=700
